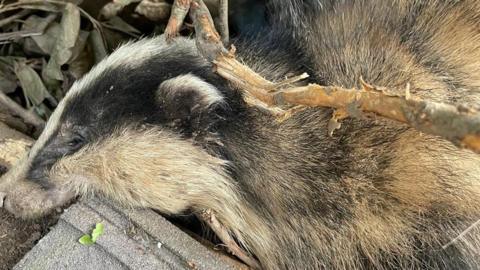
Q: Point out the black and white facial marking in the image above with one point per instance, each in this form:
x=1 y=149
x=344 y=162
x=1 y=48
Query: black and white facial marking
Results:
x=147 y=83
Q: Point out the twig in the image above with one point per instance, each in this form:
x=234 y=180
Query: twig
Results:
x=13 y=122
x=462 y=235
x=177 y=16
x=289 y=81
x=14 y=17
x=208 y=217
x=27 y=116
x=456 y=124
x=222 y=21
x=198 y=12
x=207 y=38
x=18 y=34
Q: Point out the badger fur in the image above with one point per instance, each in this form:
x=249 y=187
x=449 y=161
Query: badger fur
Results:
x=153 y=126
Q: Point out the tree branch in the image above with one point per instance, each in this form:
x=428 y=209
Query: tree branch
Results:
x=208 y=217
x=14 y=17
x=223 y=21
x=207 y=38
x=27 y=116
x=177 y=16
x=459 y=125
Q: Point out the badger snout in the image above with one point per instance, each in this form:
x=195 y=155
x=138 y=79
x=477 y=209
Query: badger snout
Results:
x=33 y=202
x=26 y=199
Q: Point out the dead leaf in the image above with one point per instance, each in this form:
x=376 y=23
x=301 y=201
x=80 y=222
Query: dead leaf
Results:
x=8 y=80
x=97 y=45
x=37 y=23
x=32 y=86
x=155 y=10
x=46 y=42
x=79 y=45
x=53 y=86
x=67 y=36
x=39 y=5
x=116 y=23
x=42 y=110
x=113 y=8
x=80 y=65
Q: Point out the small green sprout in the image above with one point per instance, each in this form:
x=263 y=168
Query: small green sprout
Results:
x=88 y=240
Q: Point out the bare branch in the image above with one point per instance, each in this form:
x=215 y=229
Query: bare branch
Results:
x=456 y=124
x=222 y=21
x=18 y=34
x=459 y=125
x=177 y=16
x=14 y=17
x=27 y=116
x=208 y=217
x=207 y=38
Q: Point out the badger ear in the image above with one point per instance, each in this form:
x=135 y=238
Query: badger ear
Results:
x=188 y=101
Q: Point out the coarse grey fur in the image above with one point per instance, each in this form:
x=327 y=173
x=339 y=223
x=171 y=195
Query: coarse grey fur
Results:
x=375 y=195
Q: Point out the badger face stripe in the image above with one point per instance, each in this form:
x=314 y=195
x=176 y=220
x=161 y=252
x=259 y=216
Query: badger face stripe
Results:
x=116 y=92
x=129 y=55
x=206 y=93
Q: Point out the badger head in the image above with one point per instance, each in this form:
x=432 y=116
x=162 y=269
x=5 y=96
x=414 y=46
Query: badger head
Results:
x=135 y=128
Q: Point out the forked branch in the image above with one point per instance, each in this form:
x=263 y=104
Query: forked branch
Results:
x=27 y=116
x=222 y=232
x=458 y=124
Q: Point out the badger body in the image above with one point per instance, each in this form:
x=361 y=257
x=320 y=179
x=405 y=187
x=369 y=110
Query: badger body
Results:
x=153 y=126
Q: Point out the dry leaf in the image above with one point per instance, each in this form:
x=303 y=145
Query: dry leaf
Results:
x=155 y=10
x=98 y=47
x=67 y=37
x=113 y=8
x=33 y=87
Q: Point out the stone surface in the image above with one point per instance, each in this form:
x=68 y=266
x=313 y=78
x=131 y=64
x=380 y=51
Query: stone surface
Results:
x=132 y=239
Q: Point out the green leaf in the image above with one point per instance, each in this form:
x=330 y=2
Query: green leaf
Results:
x=86 y=240
x=99 y=228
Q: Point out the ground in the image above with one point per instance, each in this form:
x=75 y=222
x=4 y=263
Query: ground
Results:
x=17 y=237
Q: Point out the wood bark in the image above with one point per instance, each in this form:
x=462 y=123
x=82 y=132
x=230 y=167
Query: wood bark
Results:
x=458 y=124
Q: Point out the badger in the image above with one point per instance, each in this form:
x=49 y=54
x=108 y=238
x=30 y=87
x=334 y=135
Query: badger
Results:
x=153 y=126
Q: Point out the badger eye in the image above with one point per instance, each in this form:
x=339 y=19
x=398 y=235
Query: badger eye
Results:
x=76 y=141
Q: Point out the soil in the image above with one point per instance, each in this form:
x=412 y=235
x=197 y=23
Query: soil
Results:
x=17 y=237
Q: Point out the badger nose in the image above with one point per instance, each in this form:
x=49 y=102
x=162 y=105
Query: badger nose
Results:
x=2 y=198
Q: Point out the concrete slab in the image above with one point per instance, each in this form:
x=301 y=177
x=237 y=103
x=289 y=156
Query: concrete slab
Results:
x=133 y=239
